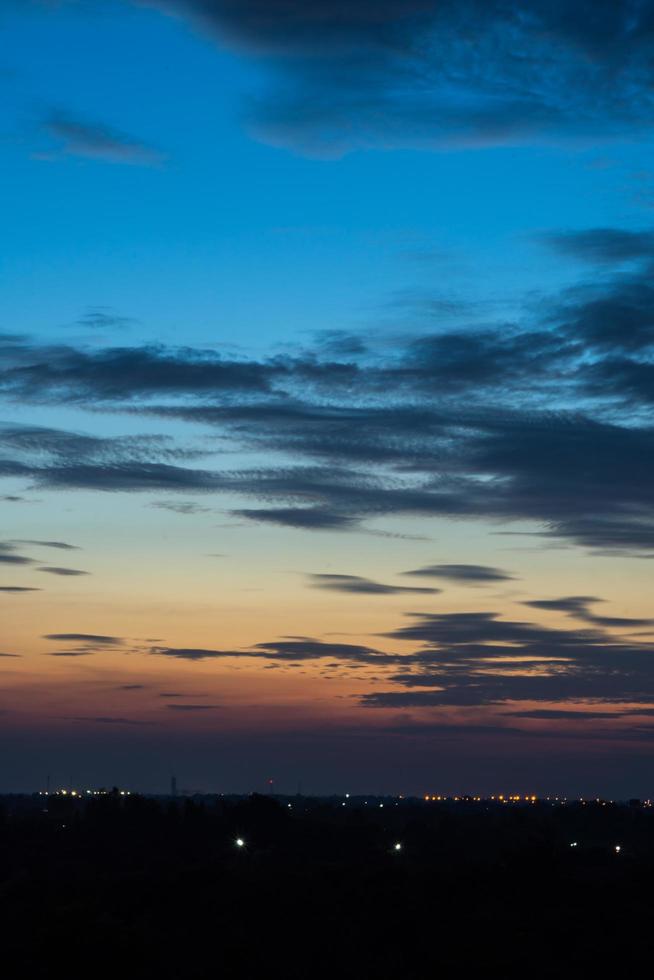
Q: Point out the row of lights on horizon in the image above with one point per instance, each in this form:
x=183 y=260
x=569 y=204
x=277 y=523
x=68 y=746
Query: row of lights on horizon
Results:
x=521 y=799
x=81 y=795
x=501 y=798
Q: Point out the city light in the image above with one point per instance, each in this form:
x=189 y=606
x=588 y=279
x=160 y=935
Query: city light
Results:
x=397 y=847
x=239 y=842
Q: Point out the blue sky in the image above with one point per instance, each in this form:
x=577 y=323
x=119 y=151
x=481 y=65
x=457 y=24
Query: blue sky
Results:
x=234 y=240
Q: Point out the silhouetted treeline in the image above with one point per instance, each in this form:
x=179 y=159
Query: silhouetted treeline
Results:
x=141 y=887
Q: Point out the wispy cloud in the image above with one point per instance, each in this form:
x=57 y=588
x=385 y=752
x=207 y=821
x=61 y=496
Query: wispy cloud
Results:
x=99 y=142
x=16 y=589
x=463 y=574
x=97 y=639
x=63 y=572
x=355 y=585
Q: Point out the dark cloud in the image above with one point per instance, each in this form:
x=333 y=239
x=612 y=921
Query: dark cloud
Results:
x=505 y=423
x=61 y=545
x=355 y=585
x=99 y=142
x=9 y=655
x=60 y=459
x=64 y=572
x=9 y=557
x=603 y=245
x=428 y=73
x=131 y=477
x=80 y=652
x=615 y=318
x=192 y=653
x=94 y=638
x=292 y=649
x=628 y=379
x=307 y=518
x=476 y=658
x=16 y=589
x=128 y=372
x=578 y=607
x=305 y=648
x=462 y=574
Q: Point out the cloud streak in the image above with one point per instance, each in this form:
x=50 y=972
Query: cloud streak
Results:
x=355 y=585
x=99 y=142
x=463 y=574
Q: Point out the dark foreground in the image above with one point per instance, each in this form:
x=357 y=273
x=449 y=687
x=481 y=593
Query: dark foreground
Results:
x=133 y=887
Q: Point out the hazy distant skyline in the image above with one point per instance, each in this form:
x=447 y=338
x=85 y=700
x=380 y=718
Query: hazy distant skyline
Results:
x=327 y=374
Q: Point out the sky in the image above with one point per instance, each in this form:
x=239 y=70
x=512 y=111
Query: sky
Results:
x=326 y=381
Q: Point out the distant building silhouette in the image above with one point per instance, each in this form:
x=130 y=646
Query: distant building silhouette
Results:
x=173 y=785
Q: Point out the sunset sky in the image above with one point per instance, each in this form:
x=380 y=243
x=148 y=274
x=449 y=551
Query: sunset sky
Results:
x=327 y=376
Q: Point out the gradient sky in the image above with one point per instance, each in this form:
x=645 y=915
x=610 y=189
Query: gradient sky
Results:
x=327 y=376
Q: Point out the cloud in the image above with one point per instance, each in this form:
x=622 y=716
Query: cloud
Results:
x=192 y=653
x=17 y=589
x=78 y=374
x=355 y=585
x=463 y=574
x=613 y=318
x=577 y=606
x=104 y=318
x=99 y=142
x=187 y=507
x=306 y=648
x=80 y=652
x=475 y=659
x=59 y=459
x=437 y=73
x=57 y=570
x=305 y=518
x=8 y=556
x=94 y=638
x=603 y=245
x=501 y=423
x=9 y=655
x=294 y=649
x=62 y=545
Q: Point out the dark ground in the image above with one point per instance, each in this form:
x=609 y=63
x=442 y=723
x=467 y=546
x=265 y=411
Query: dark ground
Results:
x=141 y=887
